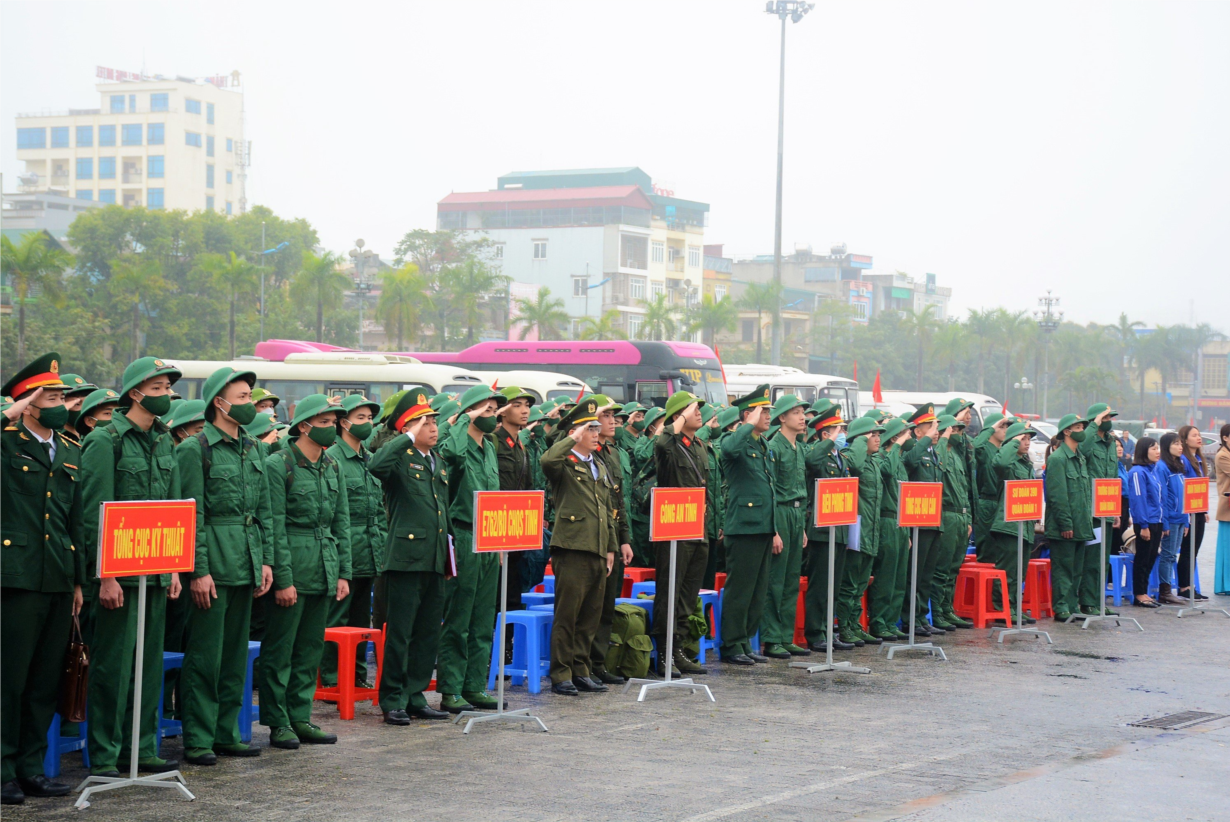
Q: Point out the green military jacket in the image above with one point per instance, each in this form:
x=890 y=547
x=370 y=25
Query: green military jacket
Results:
x=789 y=471
x=123 y=462
x=1100 y=456
x=870 y=493
x=1008 y=465
x=824 y=462
x=682 y=461
x=619 y=468
x=416 y=497
x=311 y=522
x=986 y=479
x=954 y=467
x=747 y=471
x=1069 y=495
x=644 y=477
x=42 y=534
x=473 y=468
x=512 y=461
x=892 y=473
x=717 y=489
x=234 y=523
x=625 y=439
x=365 y=499
x=922 y=463
x=535 y=446
x=585 y=510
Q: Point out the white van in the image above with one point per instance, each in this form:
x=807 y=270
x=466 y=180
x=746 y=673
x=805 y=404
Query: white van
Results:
x=889 y=406
x=741 y=379
x=984 y=404
x=544 y=385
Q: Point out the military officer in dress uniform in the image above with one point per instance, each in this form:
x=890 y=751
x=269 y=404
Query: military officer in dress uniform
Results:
x=618 y=466
x=44 y=569
x=131 y=459
x=751 y=536
x=412 y=576
x=922 y=463
x=583 y=546
x=824 y=461
x=790 y=490
x=515 y=475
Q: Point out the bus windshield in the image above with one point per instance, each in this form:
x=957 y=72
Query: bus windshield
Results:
x=847 y=398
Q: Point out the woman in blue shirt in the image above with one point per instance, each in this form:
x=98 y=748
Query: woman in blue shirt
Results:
x=1174 y=521
x=1193 y=466
x=1145 y=505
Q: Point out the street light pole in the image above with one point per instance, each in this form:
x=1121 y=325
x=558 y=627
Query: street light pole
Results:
x=362 y=287
x=1048 y=320
x=262 y=280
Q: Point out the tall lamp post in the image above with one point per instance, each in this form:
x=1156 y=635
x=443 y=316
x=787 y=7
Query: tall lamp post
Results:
x=264 y=253
x=1023 y=384
x=362 y=285
x=793 y=10
x=1048 y=320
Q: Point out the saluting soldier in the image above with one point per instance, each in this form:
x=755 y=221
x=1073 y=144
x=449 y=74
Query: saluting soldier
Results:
x=824 y=460
x=368 y=535
x=922 y=463
x=311 y=566
x=583 y=546
x=470 y=598
x=619 y=469
x=131 y=459
x=645 y=477
x=890 y=571
x=1103 y=462
x=790 y=491
x=626 y=434
x=751 y=527
x=74 y=396
x=862 y=455
x=1069 y=514
x=533 y=437
x=415 y=557
x=43 y=571
x=987 y=486
x=223 y=469
x=1011 y=462
x=515 y=475
x=957 y=528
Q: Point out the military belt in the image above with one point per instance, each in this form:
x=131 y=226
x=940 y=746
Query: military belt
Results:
x=952 y=509
x=246 y=519
x=320 y=531
x=798 y=503
x=988 y=499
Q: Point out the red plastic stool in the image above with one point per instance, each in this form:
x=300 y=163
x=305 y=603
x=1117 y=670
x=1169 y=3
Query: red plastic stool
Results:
x=719 y=581
x=346 y=694
x=864 y=619
x=632 y=575
x=547 y=572
x=1037 y=598
x=973 y=595
x=800 y=614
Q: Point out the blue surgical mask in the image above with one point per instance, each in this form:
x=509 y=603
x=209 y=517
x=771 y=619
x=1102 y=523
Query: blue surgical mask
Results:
x=840 y=439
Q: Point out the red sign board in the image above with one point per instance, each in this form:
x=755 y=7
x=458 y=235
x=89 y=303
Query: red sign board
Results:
x=508 y=521
x=1195 y=495
x=1107 y=498
x=136 y=538
x=1022 y=500
x=920 y=505
x=676 y=513
x=836 y=502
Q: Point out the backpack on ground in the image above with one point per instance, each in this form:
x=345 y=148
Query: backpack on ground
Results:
x=630 y=646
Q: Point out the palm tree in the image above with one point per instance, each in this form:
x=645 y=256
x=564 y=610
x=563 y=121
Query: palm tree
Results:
x=403 y=301
x=319 y=283
x=921 y=325
x=712 y=317
x=659 y=319
x=237 y=277
x=469 y=285
x=950 y=343
x=1010 y=328
x=545 y=313
x=135 y=279
x=760 y=297
x=606 y=327
x=981 y=325
x=33 y=263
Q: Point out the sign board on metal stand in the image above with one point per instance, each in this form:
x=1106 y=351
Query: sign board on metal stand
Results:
x=919 y=505
x=1022 y=504
x=1107 y=505
x=1195 y=504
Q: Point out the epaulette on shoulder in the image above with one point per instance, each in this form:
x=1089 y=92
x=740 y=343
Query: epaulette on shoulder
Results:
x=11 y=428
x=69 y=438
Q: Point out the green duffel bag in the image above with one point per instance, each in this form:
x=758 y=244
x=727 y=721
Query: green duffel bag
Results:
x=630 y=647
x=697 y=627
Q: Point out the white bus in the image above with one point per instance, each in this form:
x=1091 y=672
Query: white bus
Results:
x=890 y=406
x=984 y=404
x=740 y=379
x=378 y=376
x=544 y=385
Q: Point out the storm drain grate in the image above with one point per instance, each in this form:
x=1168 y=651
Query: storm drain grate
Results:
x=1172 y=722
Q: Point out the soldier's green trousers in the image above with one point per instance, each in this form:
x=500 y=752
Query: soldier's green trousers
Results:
x=642 y=548
x=215 y=668
x=175 y=640
x=891 y=575
x=414 y=605
x=356 y=611
x=747 y=582
x=715 y=564
x=470 y=606
x=1000 y=549
x=112 y=669
x=580 y=584
x=954 y=542
x=290 y=657
x=690 y=561
x=1090 y=575
x=1064 y=554
x=816 y=616
x=928 y=549
x=602 y=637
x=985 y=511
x=34 y=632
x=849 y=602
x=782 y=600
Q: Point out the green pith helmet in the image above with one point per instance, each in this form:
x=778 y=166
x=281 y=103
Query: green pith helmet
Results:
x=190 y=411
x=956 y=406
x=262 y=394
x=652 y=416
x=1016 y=429
x=756 y=397
x=727 y=417
x=220 y=379
x=101 y=396
x=678 y=402
x=141 y=370
x=354 y=401
x=312 y=405
x=1068 y=421
x=480 y=393
x=629 y=409
x=784 y=403
x=947 y=421
x=863 y=426
x=77 y=385
x=707 y=412
x=513 y=392
x=438 y=400
x=260 y=426
x=536 y=414
x=878 y=415
x=1090 y=415
x=449 y=409
x=391 y=403
x=991 y=419
x=894 y=427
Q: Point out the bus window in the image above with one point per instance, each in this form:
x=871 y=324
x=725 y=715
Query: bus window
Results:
x=381 y=391
x=807 y=393
x=842 y=396
x=568 y=395
x=344 y=390
x=614 y=390
x=188 y=389
x=290 y=392
x=458 y=389
x=651 y=393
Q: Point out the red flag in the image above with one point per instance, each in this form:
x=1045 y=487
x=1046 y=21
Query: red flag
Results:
x=496 y=385
x=718 y=353
x=877 y=395
x=580 y=394
x=856 y=370
x=1007 y=413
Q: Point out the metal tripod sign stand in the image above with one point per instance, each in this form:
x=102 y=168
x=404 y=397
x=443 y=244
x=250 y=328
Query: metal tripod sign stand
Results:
x=1022 y=504
x=1107 y=502
x=1195 y=503
x=919 y=504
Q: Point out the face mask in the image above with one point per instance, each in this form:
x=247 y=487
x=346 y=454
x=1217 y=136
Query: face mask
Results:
x=242 y=414
x=840 y=439
x=53 y=417
x=1106 y=426
x=158 y=406
x=639 y=425
x=273 y=414
x=1077 y=436
x=322 y=435
x=102 y=423
x=486 y=424
x=73 y=416
x=361 y=431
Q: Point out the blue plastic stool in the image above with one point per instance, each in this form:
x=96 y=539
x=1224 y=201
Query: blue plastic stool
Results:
x=550 y=609
x=547 y=585
x=531 y=649
x=58 y=745
x=534 y=598
x=1120 y=587
x=639 y=588
x=711 y=609
x=246 y=715
x=168 y=727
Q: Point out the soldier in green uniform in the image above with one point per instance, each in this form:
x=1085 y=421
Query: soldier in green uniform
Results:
x=513 y=461
x=862 y=455
x=583 y=546
x=751 y=536
x=724 y=422
x=957 y=527
x=415 y=557
x=890 y=571
x=645 y=477
x=986 y=483
x=470 y=598
x=1069 y=514
x=187 y=420
x=131 y=459
x=223 y=469
x=790 y=492
x=96 y=411
x=311 y=552
x=1103 y=461
x=682 y=461
x=619 y=469
x=533 y=437
x=368 y=534
x=266 y=402
x=74 y=396
x=1011 y=462
x=922 y=463
x=824 y=460
x=43 y=571
x=627 y=433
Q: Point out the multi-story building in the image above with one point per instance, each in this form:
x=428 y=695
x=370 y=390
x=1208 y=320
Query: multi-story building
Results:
x=717 y=273
x=48 y=212
x=901 y=292
x=158 y=142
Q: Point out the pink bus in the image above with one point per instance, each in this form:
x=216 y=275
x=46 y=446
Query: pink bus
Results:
x=647 y=372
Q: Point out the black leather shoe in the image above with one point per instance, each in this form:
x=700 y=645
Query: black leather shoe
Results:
x=425 y=712
x=838 y=645
x=922 y=632
x=112 y=774
x=818 y=647
x=587 y=685
x=158 y=767
x=564 y=688
x=739 y=659
x=937 y=630
x=400 y=717
x=761 y=658
x=609 y=678
x=10 y=794
x=206 y=758
x=42 y=786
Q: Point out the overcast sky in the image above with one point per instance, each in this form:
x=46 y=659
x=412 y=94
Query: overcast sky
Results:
x=1008 y=147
